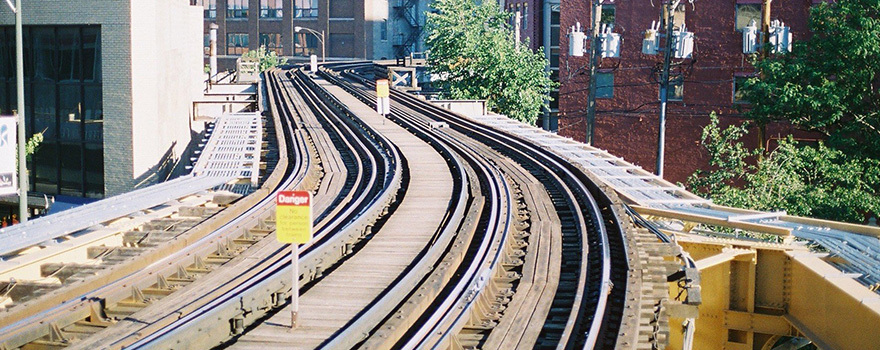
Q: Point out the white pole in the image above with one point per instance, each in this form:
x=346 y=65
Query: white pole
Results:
x=22 y=162
x=516 y=28
x=213 y=53
x=294 y=293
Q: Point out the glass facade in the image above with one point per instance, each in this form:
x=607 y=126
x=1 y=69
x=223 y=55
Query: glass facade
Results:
x=270 y=9
x=272 y=42
x=305 y=44
x=236 y=9
x=305 y=8
x=236 y=43
x=63 y=100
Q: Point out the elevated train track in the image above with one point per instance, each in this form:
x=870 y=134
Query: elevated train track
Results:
x=527 y=251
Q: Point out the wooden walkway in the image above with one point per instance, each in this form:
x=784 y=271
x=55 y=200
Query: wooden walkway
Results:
x=335 y=300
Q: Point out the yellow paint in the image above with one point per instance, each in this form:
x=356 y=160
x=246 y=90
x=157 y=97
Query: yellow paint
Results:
x=382 y=88
x=293 y=218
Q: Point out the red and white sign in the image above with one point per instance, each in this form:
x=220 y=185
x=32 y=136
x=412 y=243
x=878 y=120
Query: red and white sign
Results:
x=293 y=216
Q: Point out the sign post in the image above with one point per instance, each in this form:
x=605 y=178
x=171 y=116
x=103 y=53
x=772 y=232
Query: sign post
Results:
x=383 y=99
x=293 y=224
x=8 y=185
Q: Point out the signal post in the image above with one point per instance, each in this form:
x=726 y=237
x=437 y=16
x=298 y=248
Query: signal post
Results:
x=293 y=224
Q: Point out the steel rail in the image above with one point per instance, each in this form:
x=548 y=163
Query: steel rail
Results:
x=276 y=273
x=601 y=286
x=247 y=213
x=468 y=287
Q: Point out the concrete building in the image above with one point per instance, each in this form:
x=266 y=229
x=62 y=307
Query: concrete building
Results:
x=627 y=98
x=110 y=83
x=352 y=29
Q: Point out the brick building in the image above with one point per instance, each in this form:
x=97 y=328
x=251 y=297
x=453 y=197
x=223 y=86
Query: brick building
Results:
x=627 y=98
x=110 y=84
x=371 y=29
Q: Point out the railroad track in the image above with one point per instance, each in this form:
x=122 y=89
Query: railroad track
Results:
x=589 y=302
x=528 y=253
x=258 y=283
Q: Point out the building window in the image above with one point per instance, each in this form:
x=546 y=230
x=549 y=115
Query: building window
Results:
x=525 y=17
x=604 y=85
x=609 y=13
x=207 y=44
x=236 y=8
x=746 y=13
x=236 y=43
x=305 y=8
x=738 y=82
x=270 y=9
x=305 y=44
x=271 y=41
x=383 y=32
x=210 y=8
x=64 y=99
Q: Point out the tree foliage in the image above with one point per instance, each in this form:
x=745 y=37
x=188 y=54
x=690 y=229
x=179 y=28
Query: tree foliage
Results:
x=830 y=82
x=268 y=59
x=802 y=179
x=473 y=50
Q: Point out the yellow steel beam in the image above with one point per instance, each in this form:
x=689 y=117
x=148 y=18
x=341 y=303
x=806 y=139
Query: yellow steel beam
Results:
x=753 y=293
x=711 y=220
x=760 y=323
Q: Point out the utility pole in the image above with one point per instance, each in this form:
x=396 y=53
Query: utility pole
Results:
x=22 y=161
x=517 y=17
x=664 y=81
x=765 y=51
x=594 y=61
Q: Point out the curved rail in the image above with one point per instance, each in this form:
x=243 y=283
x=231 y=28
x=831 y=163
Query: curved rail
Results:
x=606 y=250
x=376 y=189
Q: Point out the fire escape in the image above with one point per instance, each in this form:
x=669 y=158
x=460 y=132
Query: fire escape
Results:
x=405 y=11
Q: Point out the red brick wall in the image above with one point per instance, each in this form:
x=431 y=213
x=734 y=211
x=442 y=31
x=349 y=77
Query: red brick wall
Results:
x=627 y=124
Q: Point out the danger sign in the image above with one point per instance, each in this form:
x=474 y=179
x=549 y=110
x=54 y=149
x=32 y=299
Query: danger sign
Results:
x=293 y=216
x=382 y=88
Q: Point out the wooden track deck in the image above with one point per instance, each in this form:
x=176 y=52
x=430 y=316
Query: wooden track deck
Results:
x=341 y=295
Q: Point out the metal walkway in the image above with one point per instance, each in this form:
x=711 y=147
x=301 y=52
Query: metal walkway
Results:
x=858 y=245
x=232 y=152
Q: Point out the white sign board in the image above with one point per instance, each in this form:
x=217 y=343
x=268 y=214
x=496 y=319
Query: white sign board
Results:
x=8 y=180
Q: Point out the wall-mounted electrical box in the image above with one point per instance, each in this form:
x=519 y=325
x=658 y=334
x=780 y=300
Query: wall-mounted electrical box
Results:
x=750 y=38
x=683 y=47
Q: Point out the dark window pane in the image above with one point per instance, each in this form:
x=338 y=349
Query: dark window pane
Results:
x=68 y=54
x=91 y=62
x=746 y=13
x=305 y=44
x=554 y=36
x=608 y=12
x=44 y=54
x=45 y=168
x=94 y=157
x=69 y=112
x=305 y=8
x=237 y=8
x=93 y=112
x=71 y=170
x=6 y=63
x=554 y=14
x=236 y=43
x=44 y=110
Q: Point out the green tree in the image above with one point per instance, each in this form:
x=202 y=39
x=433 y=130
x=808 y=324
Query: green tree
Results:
x=268 y=59
x=472 y=50
x=829 y=83
x=802 y=179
